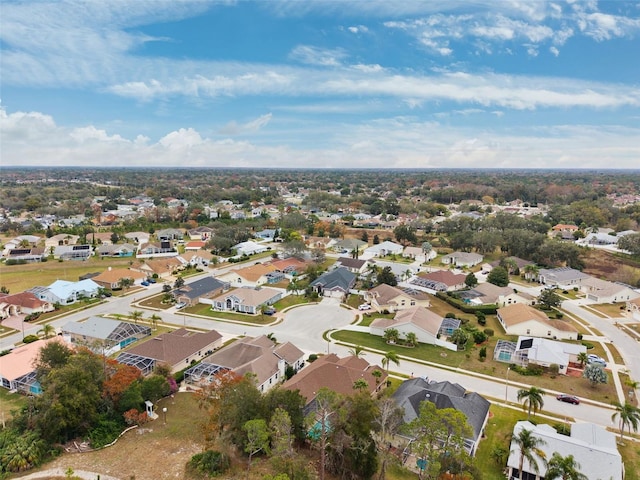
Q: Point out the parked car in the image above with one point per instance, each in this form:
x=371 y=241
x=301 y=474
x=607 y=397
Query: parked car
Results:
x=568 y=399
x=145 y=283
x=180 y=305
x=151 y=280
x=364 y=306
x=269 y=311
x=597 y=361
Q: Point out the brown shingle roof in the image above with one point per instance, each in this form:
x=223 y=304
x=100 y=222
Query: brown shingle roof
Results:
x=174 y=347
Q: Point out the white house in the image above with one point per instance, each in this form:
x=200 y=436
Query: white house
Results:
x=563 y=277
x=520 y=319
x=382 y=249
x=591 y=446
x=425 y=324
x=602 y=291
x=65 y=292
x=249 y=248
x=543 y=352
x=462 y=259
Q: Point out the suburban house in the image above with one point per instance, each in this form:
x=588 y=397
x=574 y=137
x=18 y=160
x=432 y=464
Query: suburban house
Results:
x=170 y=234
x=16 y=368
x=194 y=245
x=268 y=234
x=118 y=250
x=246 y=300
x=337 y=374
x=592 y=447
x=162 y=267
x=562 y=277
x=538 y=351
x=633 y=308
x=521 y=319
x=510 y=263
x=103 y=335
x=200 y=233
x=418 y=254
x=27 y=254
x=259 y=356
x=385 y=297
x=335 y=283
x=462 y=259
x=73 y=252
x=323 y=243
x=411 y=393
x=602 y=291
x=112 y=277
x=23 y=303
x=290 y=266
x=490 y=294
x=253 y=275
x=355 y=265
x=382 y=249
x=425 y=324
x=60 y=239
x=178 y=349
x=197 y=257
x=249 y=248
x=440 y=281
x=201 y=291
x=137 y=237
x=65 y=292
x=163 y=248
x=348 y=245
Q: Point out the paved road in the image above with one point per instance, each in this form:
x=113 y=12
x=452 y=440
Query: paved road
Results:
x=305 y=325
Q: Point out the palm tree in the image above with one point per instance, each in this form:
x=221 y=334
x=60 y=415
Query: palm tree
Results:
x=627 y=415
x=136 y=315
x=411 y=339
x=155 y=318
x=357 y=351
x=529 y=445
x=634 y=385
x=582 y=359
x=390 y=357
x=47 y=330
x=531 y=272
x=391 y=335
x=360 y=384
x=565 y=468
x=533 y=399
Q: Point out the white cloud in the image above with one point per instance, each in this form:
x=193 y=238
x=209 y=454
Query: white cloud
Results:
x=233 y=128
x=358 y=29
x=399 y=142
x=318 y=56
x=554 y=51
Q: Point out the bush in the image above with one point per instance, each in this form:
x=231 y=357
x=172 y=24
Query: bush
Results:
x=479 y=337
x=209 y=463
x=559 y=315
x=588 y=345
x=482 y=354
x=530 y=371
x=104 y=433
x=482 y=320
x=30 y=338
x=450 y=315
x=312 y=358
x=563 y=429
x=488 y=332
x=554 y=369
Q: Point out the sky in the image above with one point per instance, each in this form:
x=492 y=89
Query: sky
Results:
x=320 y=83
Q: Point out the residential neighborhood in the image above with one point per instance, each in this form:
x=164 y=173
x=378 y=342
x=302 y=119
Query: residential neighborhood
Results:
x=334 y=311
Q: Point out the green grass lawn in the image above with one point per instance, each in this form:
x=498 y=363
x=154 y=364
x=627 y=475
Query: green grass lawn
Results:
x=611 y=309
x=10 y=402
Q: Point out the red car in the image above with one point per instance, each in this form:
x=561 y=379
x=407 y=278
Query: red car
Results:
x=569 y=399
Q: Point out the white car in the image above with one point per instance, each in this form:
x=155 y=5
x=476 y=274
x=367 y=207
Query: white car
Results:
x=364 y=306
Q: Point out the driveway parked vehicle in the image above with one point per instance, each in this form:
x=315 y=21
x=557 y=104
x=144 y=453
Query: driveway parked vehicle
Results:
x=364 y=306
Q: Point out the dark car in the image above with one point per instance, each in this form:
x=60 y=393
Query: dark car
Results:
x=569 y=399
x=144 y=283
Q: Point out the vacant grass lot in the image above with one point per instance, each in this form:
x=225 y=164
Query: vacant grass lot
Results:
x=18 y=278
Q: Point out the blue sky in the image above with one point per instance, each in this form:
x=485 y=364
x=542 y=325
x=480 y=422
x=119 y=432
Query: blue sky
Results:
x=321 y=84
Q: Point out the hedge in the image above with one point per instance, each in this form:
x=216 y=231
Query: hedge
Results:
x=459 y=304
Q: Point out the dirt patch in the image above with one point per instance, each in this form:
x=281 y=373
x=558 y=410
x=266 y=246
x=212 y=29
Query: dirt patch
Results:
x=605 y=265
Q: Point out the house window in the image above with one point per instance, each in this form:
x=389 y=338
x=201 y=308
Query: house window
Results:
x=270 y=381
x=528 y=331
x=413 y=302
x=402 y=303
x=276 y=376
x=548 y=332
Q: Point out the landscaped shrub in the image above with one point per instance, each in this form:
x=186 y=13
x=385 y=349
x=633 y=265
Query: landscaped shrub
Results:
x=459 y=304
x=529 y=371
x=488 y=332
x=209 y=463
x=479 y=337
x=563 y=429
x=30 y=338
x=105 y=432
x=554 y=369
x=559 y=315
x=312 y=358
x=450 y=315
x=588 y=345
x=482 y=354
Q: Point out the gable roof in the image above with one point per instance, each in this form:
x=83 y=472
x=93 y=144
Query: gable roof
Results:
x=253 y=273
x=518 y=313
x=445 y=394
x=250 y=296
x=23 y=299
x=562 y=274
x=419 y=316
x=173 y=347
x=334 y=373
x=340 y=278
x=446 y=277
x=593 y=447
x=386 y=246
x=202 y=287
x=20 y=360
x=116 y=274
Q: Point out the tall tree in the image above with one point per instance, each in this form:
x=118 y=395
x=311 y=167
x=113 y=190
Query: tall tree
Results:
x=498 y=276
x=388 y=358
x=628 y=416
x=327 y=404
x=387 y=276
x=386 y=424
x=529 y=448
x=257 y=439
x=565 y=468
x=533 y=400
